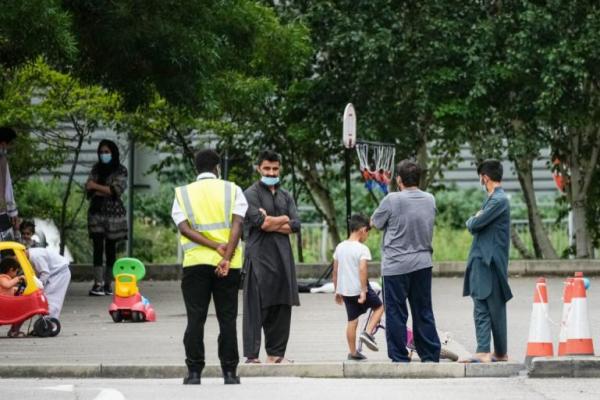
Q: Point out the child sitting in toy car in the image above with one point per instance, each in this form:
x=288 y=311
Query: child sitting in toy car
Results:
x=9 y=284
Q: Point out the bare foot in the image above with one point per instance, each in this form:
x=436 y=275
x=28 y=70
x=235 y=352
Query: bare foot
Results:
x=478 y=358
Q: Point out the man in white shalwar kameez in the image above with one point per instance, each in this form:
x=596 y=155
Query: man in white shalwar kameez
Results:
x=53 y=270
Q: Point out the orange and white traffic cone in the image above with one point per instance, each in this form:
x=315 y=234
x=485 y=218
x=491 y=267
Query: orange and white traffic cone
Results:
x=540 y=338
x=567 y=294
x=579 y=337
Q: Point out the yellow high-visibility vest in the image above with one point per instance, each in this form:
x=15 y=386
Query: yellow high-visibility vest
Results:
x=208 y=205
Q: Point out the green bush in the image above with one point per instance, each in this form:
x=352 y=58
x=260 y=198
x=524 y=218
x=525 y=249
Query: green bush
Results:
x=456 y=206
x=449 y=244
x=43 y=199
x=154 y=243
x=155 y=207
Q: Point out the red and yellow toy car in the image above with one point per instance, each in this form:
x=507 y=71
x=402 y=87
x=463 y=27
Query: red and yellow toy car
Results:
x=31 y=302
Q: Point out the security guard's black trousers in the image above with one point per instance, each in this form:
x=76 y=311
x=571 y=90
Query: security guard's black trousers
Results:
x=198 y=284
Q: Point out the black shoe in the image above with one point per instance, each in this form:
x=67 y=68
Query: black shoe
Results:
x=192 y=378
x=369 y=341
x=356 y=356
x=96 y=290
x=108 y=289
x=231 y=378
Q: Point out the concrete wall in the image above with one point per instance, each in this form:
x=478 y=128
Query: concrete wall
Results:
x=465 y=176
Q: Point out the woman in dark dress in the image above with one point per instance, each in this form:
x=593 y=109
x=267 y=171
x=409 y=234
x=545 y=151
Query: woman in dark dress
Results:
x=107 y=218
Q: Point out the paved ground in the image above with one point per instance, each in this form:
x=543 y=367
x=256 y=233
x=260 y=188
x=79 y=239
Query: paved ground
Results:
x=89 y=335
x=296 y=388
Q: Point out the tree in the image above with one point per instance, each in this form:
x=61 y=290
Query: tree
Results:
x=504 y=86
x=33 y=28
x=237 y=100
x=393 y=62
x=170 y=47
x=543 y=59
x=571 y=105
x=593 y=209
x=61 y=113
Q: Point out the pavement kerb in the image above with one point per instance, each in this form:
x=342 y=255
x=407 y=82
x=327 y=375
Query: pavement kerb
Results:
x=80 y=371
x=565 y=367
x=350 y=369
x=403 y=370
x=496 y=370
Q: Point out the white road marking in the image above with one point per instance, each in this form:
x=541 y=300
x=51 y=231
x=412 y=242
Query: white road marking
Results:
x=109 y=394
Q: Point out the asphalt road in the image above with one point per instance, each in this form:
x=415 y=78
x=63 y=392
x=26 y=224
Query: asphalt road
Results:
x=296 y=388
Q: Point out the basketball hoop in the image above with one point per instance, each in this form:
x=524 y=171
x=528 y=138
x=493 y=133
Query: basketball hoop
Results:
x=349 y=127
x=376 y=163
x=349 y=140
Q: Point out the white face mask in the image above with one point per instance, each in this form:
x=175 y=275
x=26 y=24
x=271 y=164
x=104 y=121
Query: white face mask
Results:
x=483 y=185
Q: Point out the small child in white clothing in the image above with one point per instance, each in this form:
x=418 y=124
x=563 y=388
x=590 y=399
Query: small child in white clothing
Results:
x=352 y=287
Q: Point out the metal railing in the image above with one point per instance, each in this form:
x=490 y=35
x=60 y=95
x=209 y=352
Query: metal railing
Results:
x=558 y=233
x=317 y=245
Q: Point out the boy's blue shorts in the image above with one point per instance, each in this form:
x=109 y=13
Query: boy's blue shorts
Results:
x=354 y=309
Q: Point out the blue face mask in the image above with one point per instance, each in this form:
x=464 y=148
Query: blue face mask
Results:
x=106 y=158
x=270 y=181
x=483 y=186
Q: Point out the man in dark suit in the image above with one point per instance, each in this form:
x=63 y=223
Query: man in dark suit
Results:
x=486 y=277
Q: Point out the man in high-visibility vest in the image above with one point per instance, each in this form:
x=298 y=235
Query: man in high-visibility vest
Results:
x=209 y=214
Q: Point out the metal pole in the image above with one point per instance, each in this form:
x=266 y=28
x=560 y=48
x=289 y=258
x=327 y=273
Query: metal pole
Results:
x=226 y=164
x=130 y=190
x=324 y=240
x=295 y=196
x=348 y=199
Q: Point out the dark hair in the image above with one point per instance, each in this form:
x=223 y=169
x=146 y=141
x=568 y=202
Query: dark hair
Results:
x=7 y=264
x=207 y=160
x=7 y=253
x=409 y=172
x=114 y=150
x=359 y=221
x=268 y=155
x=27 y=223
x=104 y=170
x=491 y=168
x=7 y=134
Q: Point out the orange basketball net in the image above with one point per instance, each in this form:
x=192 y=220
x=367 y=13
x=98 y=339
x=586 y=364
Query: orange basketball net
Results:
x=559 y=180
x=376 y=162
